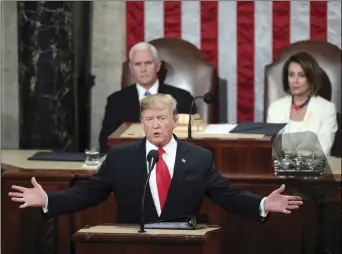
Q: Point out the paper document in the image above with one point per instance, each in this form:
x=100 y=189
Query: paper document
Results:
x=219 y=128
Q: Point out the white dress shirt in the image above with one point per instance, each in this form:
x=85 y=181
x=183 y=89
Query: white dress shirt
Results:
x=169 y=157
x=141 y=90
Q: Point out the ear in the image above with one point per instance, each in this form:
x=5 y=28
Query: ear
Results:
x=158 y=65
x=142 y=123
x=130 y=65
x=175 y=119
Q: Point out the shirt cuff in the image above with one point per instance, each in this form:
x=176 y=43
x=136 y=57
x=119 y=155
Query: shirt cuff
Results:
x=263 y=213
x=45 y=208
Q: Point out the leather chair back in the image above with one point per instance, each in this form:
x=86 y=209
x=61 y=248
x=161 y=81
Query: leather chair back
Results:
x=328 y=57
x=184 y=66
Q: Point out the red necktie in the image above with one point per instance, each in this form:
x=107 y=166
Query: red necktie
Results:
x=163 y=178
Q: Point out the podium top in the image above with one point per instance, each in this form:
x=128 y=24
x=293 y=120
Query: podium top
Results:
x=131 y=231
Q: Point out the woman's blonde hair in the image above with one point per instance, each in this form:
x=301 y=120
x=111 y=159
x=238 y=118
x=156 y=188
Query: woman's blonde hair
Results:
x=159 y=101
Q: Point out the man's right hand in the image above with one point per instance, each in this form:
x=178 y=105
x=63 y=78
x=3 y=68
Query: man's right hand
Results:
x=30 y=197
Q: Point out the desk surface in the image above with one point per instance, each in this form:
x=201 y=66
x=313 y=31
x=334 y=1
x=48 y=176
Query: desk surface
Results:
x=16 y=158
x=133 y=229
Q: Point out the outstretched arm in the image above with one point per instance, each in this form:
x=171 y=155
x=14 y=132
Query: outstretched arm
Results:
x=77 y=198
x=232 y=199
x=94 y=191
x=238 y=201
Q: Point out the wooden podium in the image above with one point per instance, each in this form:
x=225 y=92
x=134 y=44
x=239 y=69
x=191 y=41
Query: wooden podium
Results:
x=126 y=239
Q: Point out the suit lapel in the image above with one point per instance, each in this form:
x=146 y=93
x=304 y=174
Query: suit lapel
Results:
x=288 y=107
x=178 y=176
x=162 y=88
x=150 y=210
x=311 y=123
x=309 y=109
x=135 y=102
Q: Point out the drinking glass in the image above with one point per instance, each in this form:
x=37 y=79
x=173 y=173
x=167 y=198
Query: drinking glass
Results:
x=92 y=157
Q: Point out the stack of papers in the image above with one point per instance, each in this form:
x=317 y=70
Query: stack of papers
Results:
x=219 y=128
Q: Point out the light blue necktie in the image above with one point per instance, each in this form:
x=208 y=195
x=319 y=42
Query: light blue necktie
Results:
x=147 y=93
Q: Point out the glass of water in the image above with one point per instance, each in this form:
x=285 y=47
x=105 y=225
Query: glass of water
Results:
x=92 y=157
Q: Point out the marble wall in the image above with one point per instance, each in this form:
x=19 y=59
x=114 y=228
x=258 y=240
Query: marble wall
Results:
x=46 y=75
x=108 y=53
x=9 y=76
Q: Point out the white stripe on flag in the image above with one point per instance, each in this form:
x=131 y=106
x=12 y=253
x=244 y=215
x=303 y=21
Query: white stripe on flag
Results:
x=191 y=22
x=154 y=20
x=227 y=56
x=227 y=38
x=263 y=53
x=300 y=21
x=334 y=22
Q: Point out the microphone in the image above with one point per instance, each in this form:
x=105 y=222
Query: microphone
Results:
x=152 y=158
x=207 y=98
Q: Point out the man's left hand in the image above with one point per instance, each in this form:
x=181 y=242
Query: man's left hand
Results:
x=276 y=202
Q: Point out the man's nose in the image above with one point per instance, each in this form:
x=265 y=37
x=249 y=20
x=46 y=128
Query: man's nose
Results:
x=155 y=123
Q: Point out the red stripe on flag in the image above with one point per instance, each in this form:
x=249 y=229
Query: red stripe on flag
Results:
x=134 y=23
x=172 y=19
x=245 y=61
x=281 y=26
x=209 y=31
x=318 y=20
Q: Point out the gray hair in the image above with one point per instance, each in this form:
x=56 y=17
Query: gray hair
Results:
x=143 y=46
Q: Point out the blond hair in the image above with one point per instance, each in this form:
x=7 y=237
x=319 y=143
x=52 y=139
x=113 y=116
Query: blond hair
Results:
x=159 y=101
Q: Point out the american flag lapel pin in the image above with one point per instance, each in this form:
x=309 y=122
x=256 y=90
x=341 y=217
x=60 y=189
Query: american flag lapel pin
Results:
x=183 y=160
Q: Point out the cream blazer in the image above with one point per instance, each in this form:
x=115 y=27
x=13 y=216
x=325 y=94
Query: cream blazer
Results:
x=319 y=125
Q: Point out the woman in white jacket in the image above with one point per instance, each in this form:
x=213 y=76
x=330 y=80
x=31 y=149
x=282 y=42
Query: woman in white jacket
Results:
x=311 y=119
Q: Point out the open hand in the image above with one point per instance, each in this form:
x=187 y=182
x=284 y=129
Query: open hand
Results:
x=276 y=202
x=30 y=197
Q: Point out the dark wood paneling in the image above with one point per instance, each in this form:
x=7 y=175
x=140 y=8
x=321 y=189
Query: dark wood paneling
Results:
x=230 y=155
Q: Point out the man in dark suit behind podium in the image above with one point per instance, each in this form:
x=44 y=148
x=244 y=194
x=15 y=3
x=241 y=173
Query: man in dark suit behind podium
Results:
x=183 y=176
x=123 y=106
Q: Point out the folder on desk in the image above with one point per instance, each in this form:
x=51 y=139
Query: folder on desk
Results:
x=258 y=128
x=59 y=156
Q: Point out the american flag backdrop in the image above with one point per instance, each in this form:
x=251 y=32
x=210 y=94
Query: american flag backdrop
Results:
x=238 y=37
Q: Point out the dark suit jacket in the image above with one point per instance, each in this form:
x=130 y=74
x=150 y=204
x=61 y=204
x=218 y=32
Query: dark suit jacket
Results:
x=124 y=172
x=123 y=106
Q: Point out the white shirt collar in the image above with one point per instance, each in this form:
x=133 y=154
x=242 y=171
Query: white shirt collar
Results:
x=141 y=90
x=170 y=149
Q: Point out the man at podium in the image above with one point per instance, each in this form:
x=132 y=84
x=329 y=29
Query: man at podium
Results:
x=182 y=176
